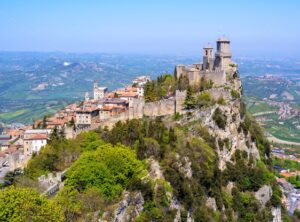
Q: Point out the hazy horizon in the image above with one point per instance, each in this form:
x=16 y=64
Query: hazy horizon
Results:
x=256 y=28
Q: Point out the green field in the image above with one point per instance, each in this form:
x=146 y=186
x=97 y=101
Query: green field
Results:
x=259 y=106
x=281 y=129
x=29 y=114
x=12 y=115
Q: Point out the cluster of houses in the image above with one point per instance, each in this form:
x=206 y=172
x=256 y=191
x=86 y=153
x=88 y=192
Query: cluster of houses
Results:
x=105 y=105
x=18 y=144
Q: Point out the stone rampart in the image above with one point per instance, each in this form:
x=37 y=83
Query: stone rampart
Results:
x=217 y=77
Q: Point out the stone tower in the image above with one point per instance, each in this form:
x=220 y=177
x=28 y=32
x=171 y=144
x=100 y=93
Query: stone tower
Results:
x=223 y=54
x=95 y=85
x=208 y=57
x=87 y=96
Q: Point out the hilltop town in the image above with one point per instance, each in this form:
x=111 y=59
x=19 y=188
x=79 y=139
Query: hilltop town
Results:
x=106 y=108
x=208 y=92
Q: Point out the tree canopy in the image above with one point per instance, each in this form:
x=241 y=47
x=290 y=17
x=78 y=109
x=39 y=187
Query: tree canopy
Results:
x=27 y=205
x=109 y=168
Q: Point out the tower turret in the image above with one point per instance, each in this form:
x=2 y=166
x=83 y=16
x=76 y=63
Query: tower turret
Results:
x=95 y=84
x=223 y=54
x=208 y=57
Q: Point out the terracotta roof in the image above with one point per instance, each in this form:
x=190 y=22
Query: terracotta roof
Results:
x=129 y=94
x=11 y=149
x=14 y=132
x=286 y=174
x=106 y=108
x=36 y=137
x=131 y=89
x=110 y=95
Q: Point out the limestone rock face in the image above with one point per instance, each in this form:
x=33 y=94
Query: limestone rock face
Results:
x=276 y=212
x=263 y=195
x=231 y=132
x=211 y=203
x=185 y=167
x=129 y=208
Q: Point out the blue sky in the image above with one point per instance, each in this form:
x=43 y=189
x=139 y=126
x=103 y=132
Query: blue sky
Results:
x=256 y=27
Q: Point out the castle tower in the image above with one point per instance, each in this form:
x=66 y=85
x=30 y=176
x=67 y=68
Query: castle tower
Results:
x=179 y=70
x=87 y=96
x=223 y=54
x=208 y=57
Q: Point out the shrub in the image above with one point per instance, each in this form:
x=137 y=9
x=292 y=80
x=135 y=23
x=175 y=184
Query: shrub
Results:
x=235 y=94
x=219 y=118
x=221 y=101
x=204 y=99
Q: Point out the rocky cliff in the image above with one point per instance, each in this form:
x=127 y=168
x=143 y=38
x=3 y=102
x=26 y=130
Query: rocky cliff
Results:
x=214 y=166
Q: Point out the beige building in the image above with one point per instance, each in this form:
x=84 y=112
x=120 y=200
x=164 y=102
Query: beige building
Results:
x=86 y=116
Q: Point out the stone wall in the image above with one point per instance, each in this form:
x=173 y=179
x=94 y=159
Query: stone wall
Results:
x=216 y=93
x=152 y=109
x=160 y=108
x=218 y=77
x=137 y=111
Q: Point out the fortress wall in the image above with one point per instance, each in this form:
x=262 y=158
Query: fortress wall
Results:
x=218 y=77
x=114 y=119
x=179 y=97
x=160 y=108
x=138 y=110
x=194 y=77
x=216 y=93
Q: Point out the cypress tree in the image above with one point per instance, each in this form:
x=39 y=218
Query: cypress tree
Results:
x=190 y=101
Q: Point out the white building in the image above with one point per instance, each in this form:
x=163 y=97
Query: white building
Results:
x=141 y=80
x=99 y=92
x=34 y=140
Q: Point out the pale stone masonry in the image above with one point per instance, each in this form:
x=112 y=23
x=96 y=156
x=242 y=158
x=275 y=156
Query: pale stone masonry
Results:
x=214 y=67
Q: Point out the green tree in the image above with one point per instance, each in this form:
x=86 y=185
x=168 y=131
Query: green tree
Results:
x=44 y=124
x=68 y=198
x=109 y=168
x=189 y=102
x=18 y=204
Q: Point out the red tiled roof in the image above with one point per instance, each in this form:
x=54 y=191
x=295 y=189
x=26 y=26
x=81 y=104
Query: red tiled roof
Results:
x=37 y=137
x=129 y=94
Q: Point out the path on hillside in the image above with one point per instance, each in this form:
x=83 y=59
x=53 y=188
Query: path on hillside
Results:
x=273 y=139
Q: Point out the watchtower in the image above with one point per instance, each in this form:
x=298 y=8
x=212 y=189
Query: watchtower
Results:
x=208 y=57
x=223 y=54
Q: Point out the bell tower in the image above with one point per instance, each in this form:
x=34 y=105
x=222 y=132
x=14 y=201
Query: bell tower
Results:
x=87 y=96
x=208 y=57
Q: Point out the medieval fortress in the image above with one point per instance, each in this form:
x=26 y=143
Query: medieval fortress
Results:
x=106 y=108
x=214 y=66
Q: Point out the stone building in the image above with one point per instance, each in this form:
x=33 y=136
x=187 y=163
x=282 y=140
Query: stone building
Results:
x=99 y=92
x=86 y=115
x=214 y=66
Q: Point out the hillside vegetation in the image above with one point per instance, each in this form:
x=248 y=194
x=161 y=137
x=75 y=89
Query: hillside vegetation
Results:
x=171 y=168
